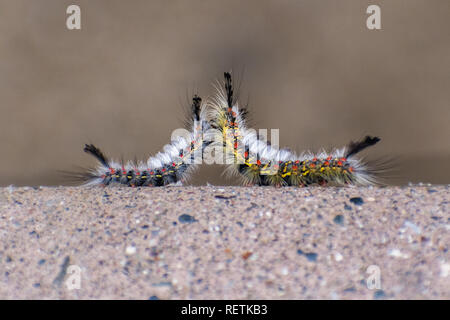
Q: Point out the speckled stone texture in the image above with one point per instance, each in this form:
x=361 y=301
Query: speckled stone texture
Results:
x=225 y=242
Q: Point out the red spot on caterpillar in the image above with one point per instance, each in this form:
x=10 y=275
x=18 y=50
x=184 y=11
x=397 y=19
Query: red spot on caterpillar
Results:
x=329 y=158
x=314 y=159
x=326 y=163
x=343 y=159
x=173 y=164
x=112 y=170
x=163 y=169
x=258 y=162
x=350 y=169
x=294 y=167
x=339 y=163
x=312 y=165
x=181 y=155
x=246 y=155
x=235 y=145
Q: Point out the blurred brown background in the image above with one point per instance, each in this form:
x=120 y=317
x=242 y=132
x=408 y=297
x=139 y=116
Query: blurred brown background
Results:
x=310 y=68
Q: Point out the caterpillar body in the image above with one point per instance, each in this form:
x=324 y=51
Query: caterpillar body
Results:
x=258 y=163
x=171 y=166
x=255 y=161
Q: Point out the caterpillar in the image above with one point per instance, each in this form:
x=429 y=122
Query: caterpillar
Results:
x=171 y=166
x=258 y=163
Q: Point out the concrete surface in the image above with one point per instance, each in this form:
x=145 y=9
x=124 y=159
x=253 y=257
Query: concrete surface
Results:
x=311 y=69
x=224 y=242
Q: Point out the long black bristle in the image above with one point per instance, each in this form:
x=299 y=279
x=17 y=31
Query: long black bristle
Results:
x=244 y=113
x=355 y=147
x=229 y=89
x=196 y=102
x=93 y=150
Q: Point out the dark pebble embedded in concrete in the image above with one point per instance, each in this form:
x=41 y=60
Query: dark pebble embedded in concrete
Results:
x=185 y=218
x=219 y=196
x=311 y=256
x=339 y=219
x=379 y=294
x=357 y=201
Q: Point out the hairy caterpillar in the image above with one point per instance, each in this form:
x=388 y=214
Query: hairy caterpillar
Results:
x=258 y=163
x=171 y=166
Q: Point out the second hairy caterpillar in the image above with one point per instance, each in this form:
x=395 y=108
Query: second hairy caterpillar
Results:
x=171 y=166
x=258 y=163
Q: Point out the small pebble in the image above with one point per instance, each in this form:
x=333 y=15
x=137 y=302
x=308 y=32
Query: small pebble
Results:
x=311 y=256
x=339 y=219
x=357 y=201
x=185 y=218
x=379 y=294
x=338 y=257
x=246 y=255
x=398 y=254
x=130 y=250
x=219 y=196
